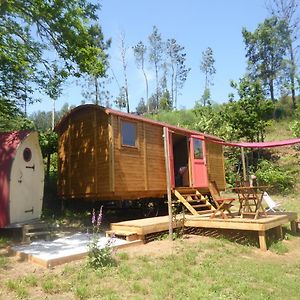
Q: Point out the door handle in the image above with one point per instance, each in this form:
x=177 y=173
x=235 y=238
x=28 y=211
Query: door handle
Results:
x=29 y=210
x=31 y=167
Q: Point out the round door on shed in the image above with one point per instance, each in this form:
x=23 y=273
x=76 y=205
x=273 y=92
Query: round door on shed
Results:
x=27 y=181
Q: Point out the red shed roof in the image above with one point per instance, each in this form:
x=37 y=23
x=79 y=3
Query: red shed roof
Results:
x=9 y=142
x=137 y=118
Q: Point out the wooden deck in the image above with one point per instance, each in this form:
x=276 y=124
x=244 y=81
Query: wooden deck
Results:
x=142 y=227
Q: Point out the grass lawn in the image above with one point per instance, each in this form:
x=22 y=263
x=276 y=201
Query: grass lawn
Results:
x=194 y=267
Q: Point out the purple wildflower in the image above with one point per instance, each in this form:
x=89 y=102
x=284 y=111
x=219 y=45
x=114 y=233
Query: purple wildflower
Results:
x=93 y=217
x=99 y=219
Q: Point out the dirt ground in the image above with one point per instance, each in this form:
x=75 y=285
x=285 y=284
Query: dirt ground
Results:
x=158 y=248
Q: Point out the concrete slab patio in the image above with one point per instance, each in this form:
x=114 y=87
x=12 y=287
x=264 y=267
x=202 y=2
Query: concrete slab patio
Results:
x=52 y=253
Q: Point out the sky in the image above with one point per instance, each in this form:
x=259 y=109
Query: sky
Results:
x=195 y=24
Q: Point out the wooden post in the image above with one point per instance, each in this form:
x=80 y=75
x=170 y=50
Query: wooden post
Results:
x=167 y=161
x=279 y=233
x=262 y=240
x=294 y=226
x=244 y=164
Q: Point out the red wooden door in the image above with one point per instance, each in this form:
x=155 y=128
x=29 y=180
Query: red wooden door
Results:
x=198 y=162
x=171 y=161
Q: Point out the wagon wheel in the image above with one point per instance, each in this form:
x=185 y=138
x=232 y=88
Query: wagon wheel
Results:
x=150 y=208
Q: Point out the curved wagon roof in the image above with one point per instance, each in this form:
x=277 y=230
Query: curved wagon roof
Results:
x=9 y=143
x=110 y=111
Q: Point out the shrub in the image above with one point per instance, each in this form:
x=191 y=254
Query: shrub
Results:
x=99 y=257
x=279 y=179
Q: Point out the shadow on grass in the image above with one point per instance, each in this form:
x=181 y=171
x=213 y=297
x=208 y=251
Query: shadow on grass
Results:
x=245 y=238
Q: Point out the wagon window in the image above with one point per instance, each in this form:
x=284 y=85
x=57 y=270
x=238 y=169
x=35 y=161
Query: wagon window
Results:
x=198 y=151
x=128 y=133
x=27 y=154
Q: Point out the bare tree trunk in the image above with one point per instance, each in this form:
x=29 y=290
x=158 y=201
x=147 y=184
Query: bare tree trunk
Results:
x=147 y=90
x=292 y=75
x=53 y=115
x=271 y=86
x=124 y=63
x=157 y=88
x=174 y=102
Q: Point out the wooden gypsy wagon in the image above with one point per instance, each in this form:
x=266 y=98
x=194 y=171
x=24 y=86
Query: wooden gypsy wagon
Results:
x=21 y=178
x=104 y=154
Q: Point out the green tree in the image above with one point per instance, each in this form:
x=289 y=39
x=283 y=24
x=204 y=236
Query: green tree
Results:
x=208 y=68
x=139 y=51
x=96 y=81
x=266 y=48
x=11 y=118
x=42 y=120
x=286 y=10
x=53 y=86
x=141 y=108
x=95 y=90
x=120 y=101
x=165 y=101
x=179 y=71
x=29 y=29
x=295 y=126
x=48 y=142
x=155 y=56
x=248 y=117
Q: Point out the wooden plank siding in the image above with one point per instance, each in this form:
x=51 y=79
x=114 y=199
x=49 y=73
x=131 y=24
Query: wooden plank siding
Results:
x=93 y=163
x=215 y=164
x=139 y=169
x=156 y=172
x=83 y=155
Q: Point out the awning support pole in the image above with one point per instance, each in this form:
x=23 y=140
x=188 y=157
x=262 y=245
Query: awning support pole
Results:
x=244 y=164
x=167 y=162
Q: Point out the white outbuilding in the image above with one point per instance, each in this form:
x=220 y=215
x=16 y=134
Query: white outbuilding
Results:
x=21 y=178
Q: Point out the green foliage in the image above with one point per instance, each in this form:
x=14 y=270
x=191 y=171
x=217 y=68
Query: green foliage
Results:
x=141 y=107
x=179 y=71
x=208 y=68
x=50 y=285
x=18 y=287
x=98 y=256
x=266 y=49
x=205 y=98
x=183 y=118
x=4 y=262
x=165 y=102
x=295 y=126
x=11 y=117
x=278 y=247
x=210 y=119
x=249 y=116
x=82 y=292
x=3 y=242
x=276 y=177
x=43 y=119
x=48 y=142
x=30 y=29
x=283 y=108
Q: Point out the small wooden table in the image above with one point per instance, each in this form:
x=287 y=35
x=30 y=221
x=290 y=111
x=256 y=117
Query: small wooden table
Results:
x=250 y=198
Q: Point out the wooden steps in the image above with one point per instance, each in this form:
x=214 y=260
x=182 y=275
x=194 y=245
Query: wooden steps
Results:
x=33 y=230
x=127 y=235
x=193 y=200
